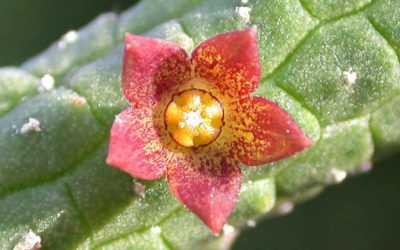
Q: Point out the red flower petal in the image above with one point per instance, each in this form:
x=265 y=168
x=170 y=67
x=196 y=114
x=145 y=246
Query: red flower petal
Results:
x=152 y=66
x=265 y=132
x=135 y=145
x=230 y=61
x=208 y=191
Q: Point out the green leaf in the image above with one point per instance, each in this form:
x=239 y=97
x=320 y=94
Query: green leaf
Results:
x=31 y=157
x=333 y=8
x=333 y=65
x=320 y=73
x=385 y=124
x=327 y=162
x=15 y=84
x=147 y=14
x=76 y=48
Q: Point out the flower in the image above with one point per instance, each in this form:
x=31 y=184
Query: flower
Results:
x=194 y=119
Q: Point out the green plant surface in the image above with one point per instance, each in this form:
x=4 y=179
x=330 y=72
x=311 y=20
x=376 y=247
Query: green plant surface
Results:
x=333 y=65
x=23 y=85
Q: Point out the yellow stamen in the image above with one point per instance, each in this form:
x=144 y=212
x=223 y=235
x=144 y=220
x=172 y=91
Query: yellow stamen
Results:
x=194 y=118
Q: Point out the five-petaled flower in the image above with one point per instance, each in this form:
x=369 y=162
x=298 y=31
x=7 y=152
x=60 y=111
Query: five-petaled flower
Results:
x=194 y=119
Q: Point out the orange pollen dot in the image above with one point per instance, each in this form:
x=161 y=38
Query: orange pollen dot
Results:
x=194 y=118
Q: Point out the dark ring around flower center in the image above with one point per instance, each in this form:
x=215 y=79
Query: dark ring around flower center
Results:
x=194 y=118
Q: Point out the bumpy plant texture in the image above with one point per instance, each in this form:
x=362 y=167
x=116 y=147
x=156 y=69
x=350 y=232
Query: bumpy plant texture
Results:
x=333 y=65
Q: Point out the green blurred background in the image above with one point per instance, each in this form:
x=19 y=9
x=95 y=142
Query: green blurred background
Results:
x=361 y=213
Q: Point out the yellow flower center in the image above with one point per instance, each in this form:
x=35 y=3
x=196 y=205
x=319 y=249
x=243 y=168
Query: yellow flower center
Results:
x=194 y=118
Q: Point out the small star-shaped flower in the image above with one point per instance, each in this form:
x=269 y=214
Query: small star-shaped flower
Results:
x=195 y=120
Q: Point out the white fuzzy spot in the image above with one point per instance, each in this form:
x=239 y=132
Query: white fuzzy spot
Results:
x=193 y=118
x=228 y=229
x=251 y=223
x=30 y=241
x=32 y=125
x=338 y=175
x=244 y=12
x=244 y=1
x=350 y=76
x=139 y=188
x=286 y=208
x=155 y=230
x=46 y=83
x=69 y=38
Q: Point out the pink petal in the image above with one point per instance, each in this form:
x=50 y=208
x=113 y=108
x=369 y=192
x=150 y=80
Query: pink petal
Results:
x=264 y=132
x=135 y=145
x=208 y=191
x=151 y=67
x=230 y=61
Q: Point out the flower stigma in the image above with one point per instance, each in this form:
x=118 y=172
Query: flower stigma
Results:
x=194 y=118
